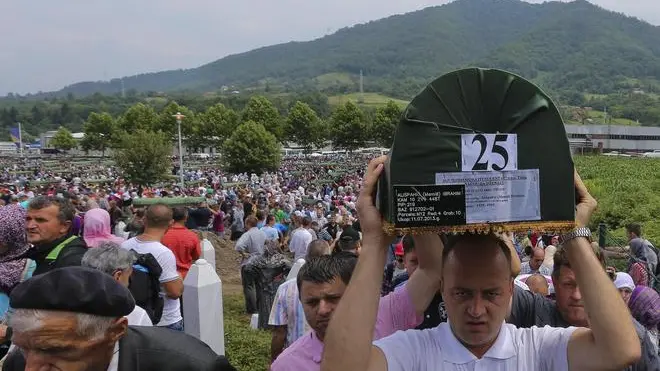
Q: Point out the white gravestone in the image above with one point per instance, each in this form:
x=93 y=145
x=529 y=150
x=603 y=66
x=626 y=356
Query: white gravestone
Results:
x=293 y=273
x=208 y=252
x=202 y=306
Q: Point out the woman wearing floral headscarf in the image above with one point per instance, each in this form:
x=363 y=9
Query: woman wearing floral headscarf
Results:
x=13 y=245
x=644 y=306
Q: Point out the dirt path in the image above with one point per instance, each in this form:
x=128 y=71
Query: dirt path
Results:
x=227 y=263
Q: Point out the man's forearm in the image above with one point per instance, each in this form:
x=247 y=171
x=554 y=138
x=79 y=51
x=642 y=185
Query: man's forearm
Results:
x=425 y=281
x=277 y=342
x=608 y=314
x=350 y=334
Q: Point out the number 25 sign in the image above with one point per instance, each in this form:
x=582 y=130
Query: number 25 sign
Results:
x=487 y=152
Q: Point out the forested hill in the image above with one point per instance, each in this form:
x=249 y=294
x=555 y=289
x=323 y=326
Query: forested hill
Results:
x=566 y=47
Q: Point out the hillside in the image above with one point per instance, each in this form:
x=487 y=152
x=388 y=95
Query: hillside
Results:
x=564 y=46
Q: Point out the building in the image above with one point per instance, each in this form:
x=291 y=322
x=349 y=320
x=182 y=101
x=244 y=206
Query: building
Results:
x=620 y=138
x=8 y=147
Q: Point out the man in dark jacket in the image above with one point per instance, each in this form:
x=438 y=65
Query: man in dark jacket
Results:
x=48 y=225
x=89 y=331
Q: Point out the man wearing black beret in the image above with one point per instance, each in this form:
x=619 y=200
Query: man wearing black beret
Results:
x=73 y=319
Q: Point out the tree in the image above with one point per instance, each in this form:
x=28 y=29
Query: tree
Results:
x=100 y=131
x=138 y=117
x=144 y=156
x=349 y=128
x=251 y=148
x=217 y=124
x=62 y=139
x=385 y=122
x=166 y=121
x=304 y=127
x=262 y=111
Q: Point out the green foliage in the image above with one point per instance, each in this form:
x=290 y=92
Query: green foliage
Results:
x=246 y=349
x=304 y=127
x=216 y=125
x=100 y=131
x=261 y=111
x=627 y=190
x=144 y=156
x=348 y=127
x=62 y=140
x=251 y=148
x=167 y=122
x=385 y=123
x=138 y=117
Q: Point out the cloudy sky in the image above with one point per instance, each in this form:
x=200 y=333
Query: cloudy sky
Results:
x=48 y=44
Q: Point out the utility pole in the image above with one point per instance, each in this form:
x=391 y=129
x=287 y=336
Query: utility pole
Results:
x=178 y=118
x=361 y=99
x=20 y=139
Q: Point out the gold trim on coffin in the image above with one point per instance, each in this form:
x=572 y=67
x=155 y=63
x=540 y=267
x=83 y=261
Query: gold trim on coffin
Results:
x=541 y=226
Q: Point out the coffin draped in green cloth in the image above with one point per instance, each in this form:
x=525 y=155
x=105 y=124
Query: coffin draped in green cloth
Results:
x=478 y=150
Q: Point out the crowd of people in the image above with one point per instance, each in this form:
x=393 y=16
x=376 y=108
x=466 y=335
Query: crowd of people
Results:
x=82 y=265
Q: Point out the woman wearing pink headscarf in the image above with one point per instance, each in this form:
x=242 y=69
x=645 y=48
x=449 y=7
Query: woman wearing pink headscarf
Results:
x=97 y=228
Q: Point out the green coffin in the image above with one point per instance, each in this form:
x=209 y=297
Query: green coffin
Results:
x=169 y=201
x=479 y=150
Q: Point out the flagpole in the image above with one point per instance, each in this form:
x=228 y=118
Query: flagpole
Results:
x=20 y=139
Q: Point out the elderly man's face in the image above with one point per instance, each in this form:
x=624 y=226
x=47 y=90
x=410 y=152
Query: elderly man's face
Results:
x=44 y=226
x=477 y=293
x=56 y=345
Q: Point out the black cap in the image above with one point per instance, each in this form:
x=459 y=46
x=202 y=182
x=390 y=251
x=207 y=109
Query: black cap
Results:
x=349 y=235
x=74 y=289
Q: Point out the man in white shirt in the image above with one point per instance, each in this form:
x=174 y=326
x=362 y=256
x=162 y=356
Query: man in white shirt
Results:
x=477 y=293
x=110 y=258
x=301 y=239
x=157 y=220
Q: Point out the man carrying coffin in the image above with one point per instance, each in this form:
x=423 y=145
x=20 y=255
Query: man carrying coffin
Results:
x=477 y=293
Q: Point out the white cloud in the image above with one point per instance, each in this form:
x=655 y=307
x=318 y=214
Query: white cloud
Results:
x=48 y=44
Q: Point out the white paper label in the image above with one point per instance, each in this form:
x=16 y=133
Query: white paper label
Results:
x=487 y=152
x=498 y=197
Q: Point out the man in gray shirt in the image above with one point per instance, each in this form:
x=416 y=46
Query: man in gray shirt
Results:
x=250 y=245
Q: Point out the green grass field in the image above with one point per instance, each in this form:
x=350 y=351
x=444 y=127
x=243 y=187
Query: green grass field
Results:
x=370 y=99
x=627 y=190
x=599 y=117
x=246 y=349
x=329 y=80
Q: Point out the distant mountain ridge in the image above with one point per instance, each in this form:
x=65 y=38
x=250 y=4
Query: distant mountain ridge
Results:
x=573 y=46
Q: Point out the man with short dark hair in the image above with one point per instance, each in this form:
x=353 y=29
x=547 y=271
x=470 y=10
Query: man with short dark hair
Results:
x=183 y=242
x=158 y=219
x=349 y=241
x=286 y=316
x=300 y=239
x=48 y=225
x=269 y=229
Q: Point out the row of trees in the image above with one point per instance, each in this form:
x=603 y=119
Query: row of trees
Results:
x=249 y=140
x=348 y=127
